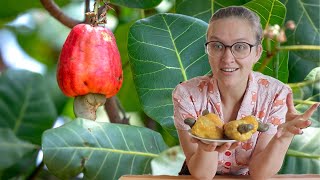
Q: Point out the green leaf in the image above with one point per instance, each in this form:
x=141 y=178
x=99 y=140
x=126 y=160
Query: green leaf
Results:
x=24 y=166
x=169 y=162
x=204 y=8
x=303 y=156
x=142 y=4
x=296 y=73
x=25 y=104
x=307 y=20
x=271 y=12
x=12 y=149
x=165 y=49
x=100 y=150
x=314 y=76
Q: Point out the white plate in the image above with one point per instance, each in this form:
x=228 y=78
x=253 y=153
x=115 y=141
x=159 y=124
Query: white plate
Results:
x=209 y=141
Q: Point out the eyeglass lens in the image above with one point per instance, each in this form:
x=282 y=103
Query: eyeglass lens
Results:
x=239 y=49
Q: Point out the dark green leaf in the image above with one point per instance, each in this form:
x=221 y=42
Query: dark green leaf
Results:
x=271 y=12
x=25 y=104
x=165 y=49
x=100 y=150
x=307 y=19
x=12 y=149
x=296 y=73
x=203 y=9
x=303 y=156
x=142 y=4
x=26 y=165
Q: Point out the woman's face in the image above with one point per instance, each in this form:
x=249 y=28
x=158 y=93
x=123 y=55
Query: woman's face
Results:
x=227 y=69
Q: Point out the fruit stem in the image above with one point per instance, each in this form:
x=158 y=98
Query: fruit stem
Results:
x=86 y=106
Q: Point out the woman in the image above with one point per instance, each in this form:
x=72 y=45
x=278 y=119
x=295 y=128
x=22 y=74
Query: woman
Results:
x=233 y=91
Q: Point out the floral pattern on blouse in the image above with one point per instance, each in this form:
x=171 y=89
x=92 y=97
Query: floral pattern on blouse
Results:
x=265 y=98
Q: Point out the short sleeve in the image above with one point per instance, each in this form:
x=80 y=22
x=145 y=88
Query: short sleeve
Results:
x=278 y=110
x=182 y=107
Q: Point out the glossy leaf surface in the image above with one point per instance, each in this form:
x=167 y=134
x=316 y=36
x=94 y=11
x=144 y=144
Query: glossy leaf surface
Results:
x=100 y=150
x=25 y=104
x=165 y=49
x=203 y=9
x=305 y=14
x=12 y=149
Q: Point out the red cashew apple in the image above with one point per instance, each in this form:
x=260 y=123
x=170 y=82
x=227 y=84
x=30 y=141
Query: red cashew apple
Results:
x=89 y=68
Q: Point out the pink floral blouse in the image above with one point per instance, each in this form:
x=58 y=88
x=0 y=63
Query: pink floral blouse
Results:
x=264 y=98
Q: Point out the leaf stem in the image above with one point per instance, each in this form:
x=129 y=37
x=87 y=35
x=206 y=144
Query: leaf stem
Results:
x=299 y=47
x=303 y=84
x=299 y=154
x=304 y=102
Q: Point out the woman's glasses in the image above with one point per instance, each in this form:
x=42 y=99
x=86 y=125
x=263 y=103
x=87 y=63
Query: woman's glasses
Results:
x=239 y=50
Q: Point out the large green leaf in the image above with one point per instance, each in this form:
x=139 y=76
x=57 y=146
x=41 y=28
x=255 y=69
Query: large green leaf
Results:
x=271 y=12
x=165 y=49
x=303 y=156
x=24 y=166
x=203 y=9
x=142 y=4
x=307 y=32
x=25 y=104
x=100 y=150
x=12 y=149
x=296 y=73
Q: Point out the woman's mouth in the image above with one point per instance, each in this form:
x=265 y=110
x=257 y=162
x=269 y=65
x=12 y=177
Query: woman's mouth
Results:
x=229 y=69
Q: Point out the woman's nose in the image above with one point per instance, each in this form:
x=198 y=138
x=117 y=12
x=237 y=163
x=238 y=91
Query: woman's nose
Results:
x=227 y=56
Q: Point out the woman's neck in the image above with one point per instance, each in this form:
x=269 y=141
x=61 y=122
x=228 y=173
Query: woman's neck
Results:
x=231 y=98
x=232 y=94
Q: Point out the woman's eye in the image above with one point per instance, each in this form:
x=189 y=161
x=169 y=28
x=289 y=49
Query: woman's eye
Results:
x=240 y=47
x=217 y=46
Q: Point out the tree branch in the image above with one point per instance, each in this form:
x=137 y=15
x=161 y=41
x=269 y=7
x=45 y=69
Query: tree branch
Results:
x=56 y=12
x=112 y=108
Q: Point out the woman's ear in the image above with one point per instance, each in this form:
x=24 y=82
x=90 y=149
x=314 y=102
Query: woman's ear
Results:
x=259 y=50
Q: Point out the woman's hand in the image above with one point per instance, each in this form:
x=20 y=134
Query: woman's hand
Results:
x=214 y=146
x=295 y=122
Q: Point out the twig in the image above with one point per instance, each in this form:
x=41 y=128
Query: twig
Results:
x=56 y=12
x=35 y=173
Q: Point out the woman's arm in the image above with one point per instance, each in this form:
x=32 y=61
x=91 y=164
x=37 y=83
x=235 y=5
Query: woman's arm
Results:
x=201 y=164
x=271 y=149
x=268 y=156
x=202 y=159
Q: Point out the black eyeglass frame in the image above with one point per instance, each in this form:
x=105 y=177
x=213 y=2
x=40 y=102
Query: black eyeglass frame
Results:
x=230 y=46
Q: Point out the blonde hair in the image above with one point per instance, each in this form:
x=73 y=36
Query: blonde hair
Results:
x=242 y=13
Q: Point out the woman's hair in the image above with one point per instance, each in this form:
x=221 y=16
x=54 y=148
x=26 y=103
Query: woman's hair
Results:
x=243 y=13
